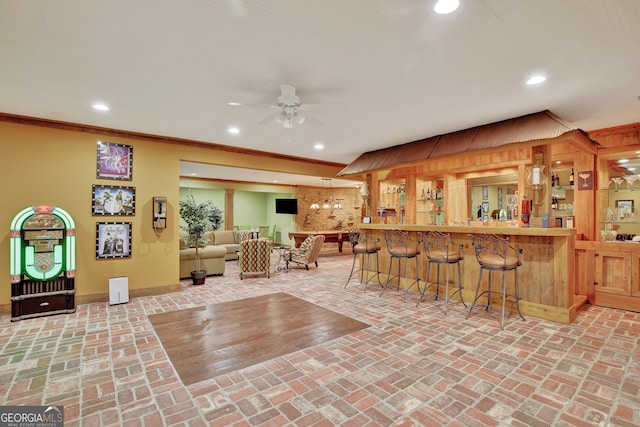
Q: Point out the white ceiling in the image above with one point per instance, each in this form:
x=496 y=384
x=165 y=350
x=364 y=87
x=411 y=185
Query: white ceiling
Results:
x=399 y=71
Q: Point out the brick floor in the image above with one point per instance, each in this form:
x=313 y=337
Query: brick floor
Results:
x=412 y=367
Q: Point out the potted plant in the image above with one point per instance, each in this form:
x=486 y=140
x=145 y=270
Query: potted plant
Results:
x=199 y=219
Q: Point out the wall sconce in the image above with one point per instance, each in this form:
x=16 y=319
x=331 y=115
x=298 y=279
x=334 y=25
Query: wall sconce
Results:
x=537 y=179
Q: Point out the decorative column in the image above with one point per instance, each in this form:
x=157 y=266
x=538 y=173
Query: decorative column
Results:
x=228 y=208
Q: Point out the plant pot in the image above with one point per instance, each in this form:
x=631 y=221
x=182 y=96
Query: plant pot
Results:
x=198 y=277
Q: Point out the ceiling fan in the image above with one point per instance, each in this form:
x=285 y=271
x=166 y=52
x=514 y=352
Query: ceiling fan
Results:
x=291 y=110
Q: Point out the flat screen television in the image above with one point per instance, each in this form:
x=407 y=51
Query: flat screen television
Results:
x=287 y=206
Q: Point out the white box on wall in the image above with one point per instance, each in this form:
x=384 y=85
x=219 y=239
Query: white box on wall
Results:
x=118 y=290
x=569 y=222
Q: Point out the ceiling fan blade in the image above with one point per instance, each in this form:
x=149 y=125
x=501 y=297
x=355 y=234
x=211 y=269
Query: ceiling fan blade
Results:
x=269 y=119
x=240 y=104
x=313 y=121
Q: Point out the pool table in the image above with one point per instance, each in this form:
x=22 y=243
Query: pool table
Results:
x=330 y=236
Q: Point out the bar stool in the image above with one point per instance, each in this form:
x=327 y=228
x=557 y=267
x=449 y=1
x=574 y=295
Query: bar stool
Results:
x=364 y=246
x=492 y=255
x=402 y=247
x=440 y=250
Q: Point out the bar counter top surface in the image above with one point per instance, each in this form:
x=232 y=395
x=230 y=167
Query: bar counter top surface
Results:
x=474 y=229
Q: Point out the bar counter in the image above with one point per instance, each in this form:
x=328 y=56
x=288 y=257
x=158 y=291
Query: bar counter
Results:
x=546 y=277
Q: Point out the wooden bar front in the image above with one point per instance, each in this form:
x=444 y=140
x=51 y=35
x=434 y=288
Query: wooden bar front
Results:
x=546 y=277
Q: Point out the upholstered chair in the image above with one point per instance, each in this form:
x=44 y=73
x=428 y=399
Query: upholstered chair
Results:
x=254 y=256
x=307 y=253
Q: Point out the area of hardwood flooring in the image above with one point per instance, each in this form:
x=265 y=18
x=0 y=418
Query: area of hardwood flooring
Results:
x=212 y=340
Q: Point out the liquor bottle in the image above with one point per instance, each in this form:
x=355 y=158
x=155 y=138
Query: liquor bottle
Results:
x=525 y=212
x=553 y=179
x=571 y=177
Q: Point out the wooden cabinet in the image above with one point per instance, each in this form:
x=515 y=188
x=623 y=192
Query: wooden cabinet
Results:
x=607 y=272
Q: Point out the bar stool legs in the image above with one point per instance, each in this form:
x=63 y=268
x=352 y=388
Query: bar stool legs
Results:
x=491 y=253
x=439 y=251
x=447 y=296
x=365 y=249
x=401 y=247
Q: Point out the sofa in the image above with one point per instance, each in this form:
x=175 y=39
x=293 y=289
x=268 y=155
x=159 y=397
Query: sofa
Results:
x=227 y=239
x=211 y=259
x=221 y=247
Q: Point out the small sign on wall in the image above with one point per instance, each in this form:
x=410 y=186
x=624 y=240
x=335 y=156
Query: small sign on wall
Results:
x=585 y=180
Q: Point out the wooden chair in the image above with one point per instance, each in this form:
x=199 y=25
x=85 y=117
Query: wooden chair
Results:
x=307 y=253
x=254 y=256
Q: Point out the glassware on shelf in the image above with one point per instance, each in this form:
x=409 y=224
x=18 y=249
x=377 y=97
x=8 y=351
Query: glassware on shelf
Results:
x=610 y=214
x=617 y=180
x=631 y=179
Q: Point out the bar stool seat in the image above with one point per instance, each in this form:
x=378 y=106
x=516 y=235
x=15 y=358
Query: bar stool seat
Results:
x=495 y=254
x=440 y=250
x=364 y=246
x=401 y=247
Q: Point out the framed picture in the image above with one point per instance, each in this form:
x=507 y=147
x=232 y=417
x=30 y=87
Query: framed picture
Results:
x=113 y=200
x=113 y=240
x=485 y=192
x=624 y=207
x=485 y=207
x=366 y=220
x=585 y=180
x=114 y=161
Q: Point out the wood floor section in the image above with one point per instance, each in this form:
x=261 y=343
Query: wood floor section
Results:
x=204 y=342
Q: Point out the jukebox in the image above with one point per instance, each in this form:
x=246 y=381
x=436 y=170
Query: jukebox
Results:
x=42 y=262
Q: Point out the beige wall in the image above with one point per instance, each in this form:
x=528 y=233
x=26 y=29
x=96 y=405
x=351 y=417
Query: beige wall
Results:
x=43 y=165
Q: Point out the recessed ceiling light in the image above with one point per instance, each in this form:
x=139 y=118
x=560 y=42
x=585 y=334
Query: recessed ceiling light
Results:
x=446 y=6
x=623 y=160
x=100 y=106
x=318 y=146
x=536 y=80
x=233 y=130
x=631 y=169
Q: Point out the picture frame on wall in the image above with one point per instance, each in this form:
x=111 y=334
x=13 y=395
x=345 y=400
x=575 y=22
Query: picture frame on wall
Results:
x=113 y=240
x=114 y=161
x=113 y=200
x=624 y=207
x=485 y=192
